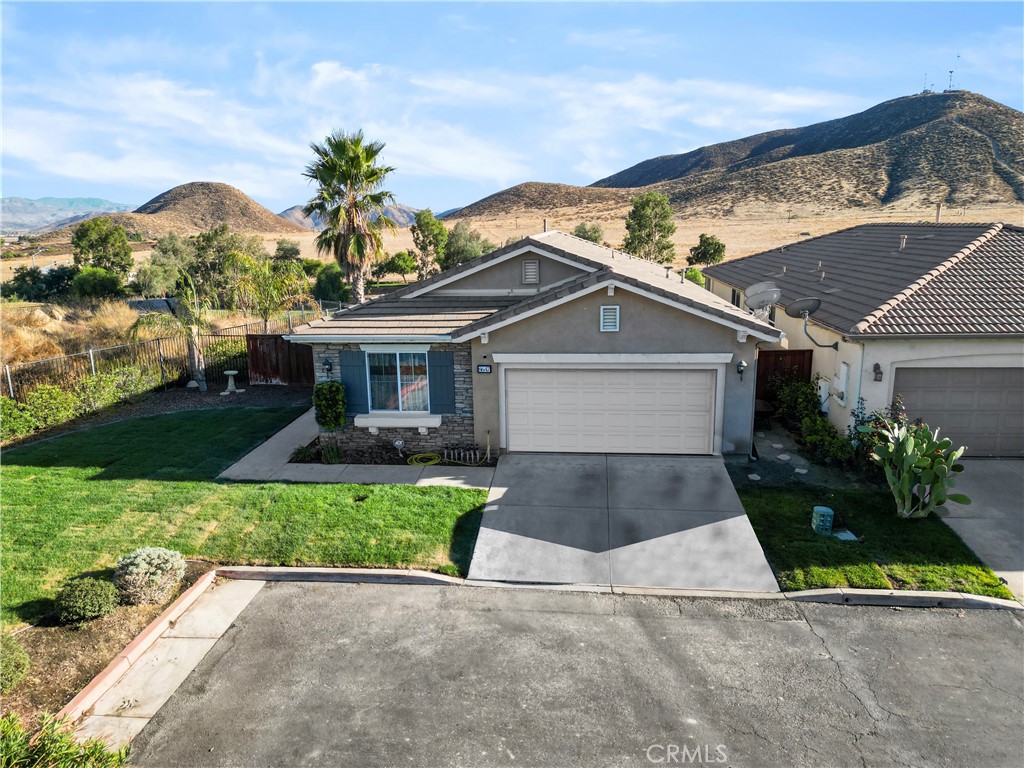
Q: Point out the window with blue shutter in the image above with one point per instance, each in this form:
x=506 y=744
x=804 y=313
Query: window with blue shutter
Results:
x=353 y=376
x=441 y=377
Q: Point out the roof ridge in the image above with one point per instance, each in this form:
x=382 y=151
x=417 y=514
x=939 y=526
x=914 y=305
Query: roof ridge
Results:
x=781 y=248
x=922 y=281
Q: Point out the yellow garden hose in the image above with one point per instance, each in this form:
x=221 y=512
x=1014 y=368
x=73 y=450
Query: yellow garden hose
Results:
x=430 y=459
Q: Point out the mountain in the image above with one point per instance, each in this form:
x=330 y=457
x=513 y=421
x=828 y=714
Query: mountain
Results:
x=402 y=215
x=955 y=147
x=22 y=214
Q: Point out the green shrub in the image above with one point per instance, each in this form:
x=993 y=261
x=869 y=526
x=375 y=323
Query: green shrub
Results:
x=96 y=283
x=82 y=600
x=148 y=575
x=225 y=350
x=330 y=453
x=329 y=402
x=15 y=419
x=53 y=746
x=311 y=267
x=825 y=440
x=331 y=285
x=794 y=398
x=14 y=663
x=97 y=392
x=50 y=406
x=694 y=275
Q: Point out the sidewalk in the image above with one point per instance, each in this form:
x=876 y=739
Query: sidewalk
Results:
x=269 y=462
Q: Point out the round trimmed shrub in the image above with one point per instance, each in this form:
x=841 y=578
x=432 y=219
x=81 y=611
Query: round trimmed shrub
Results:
x=14 y=663
x=82 y=600
x=329 y=403
x=148 y=575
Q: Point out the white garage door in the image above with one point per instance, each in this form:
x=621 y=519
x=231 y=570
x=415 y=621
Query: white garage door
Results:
x=982 y=408
x=610 y=410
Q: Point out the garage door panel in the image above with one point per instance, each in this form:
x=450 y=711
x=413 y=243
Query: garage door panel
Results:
x=981 y=408
x=613 y=410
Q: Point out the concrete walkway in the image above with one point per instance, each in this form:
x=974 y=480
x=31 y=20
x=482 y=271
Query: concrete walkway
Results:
x=640 y=521
x=269 y=463
x=993 y=523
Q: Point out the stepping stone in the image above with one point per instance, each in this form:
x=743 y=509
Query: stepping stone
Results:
x=760 y=434
x=777 y=445
x=753 y=477
x=801 y=471
x=783 y=457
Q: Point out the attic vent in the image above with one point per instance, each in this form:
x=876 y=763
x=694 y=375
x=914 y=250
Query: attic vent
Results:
x=609 y=318
x=531 y=272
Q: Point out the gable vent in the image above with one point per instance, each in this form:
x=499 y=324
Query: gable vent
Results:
x=531 y=272
x=609 y=318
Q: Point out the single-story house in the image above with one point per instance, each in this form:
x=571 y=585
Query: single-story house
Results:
x=933 y=313
x=552 y=343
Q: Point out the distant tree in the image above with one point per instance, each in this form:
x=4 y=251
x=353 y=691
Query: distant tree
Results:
x=694 y=275
x=288 y=250
x=587 y=231
x=511 y=239
x=263 y=287
x=208 y=268
x=402 y=263
x=311 y=267
x=708 y=250
x=331 y=285
x=173 y=252
x=649 y=228
x=430 y=238
x=32 y=284
x=350 y=199
x=154 y=280
x=464 y=244
x=96 y=283
x=101 y=243
x=188 y=320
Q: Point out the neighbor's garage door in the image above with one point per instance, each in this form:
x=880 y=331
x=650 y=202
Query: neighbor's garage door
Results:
x=610 y=411
x=982 y=408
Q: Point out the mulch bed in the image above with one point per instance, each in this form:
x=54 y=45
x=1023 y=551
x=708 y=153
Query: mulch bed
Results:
x=377 y=455
x=65 y=659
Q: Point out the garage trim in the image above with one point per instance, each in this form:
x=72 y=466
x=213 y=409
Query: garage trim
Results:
x=703 y=361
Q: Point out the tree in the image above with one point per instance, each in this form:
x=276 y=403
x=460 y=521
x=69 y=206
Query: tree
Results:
x=402 y=263
x=208 y=267
x=587 y=231
x=155 y=280
x=264 y=287
x=96 y=283
x=708 y=250
x=430 y=238
x=649 y=228
x=32 y=284
x=464 y=244
x=350 y=200
x=331 y=285
x=101 y=243
x=189 y=318
x=287 y=250
x=694 y=275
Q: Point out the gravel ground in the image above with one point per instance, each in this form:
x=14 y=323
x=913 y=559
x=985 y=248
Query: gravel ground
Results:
x=180 y=399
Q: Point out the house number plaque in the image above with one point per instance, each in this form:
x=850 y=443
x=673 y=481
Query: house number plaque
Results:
x=483 y=369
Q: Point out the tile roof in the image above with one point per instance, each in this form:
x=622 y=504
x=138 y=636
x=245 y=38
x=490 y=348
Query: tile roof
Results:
x=948 y=279
x=429 y=313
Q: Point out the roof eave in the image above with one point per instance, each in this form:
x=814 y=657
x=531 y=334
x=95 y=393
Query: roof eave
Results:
x=367 y=338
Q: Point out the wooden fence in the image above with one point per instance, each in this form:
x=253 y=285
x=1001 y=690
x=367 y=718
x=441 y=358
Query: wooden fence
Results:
x=786 y=362
x=272 y=360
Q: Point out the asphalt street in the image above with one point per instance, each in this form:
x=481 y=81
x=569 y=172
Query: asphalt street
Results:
x=378 y=675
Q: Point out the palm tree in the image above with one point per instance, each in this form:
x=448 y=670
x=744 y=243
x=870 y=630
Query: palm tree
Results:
x=350 y=200
x=188 y=319
x=263 y=287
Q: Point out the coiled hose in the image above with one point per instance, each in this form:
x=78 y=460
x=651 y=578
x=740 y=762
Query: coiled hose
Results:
x=430 y=459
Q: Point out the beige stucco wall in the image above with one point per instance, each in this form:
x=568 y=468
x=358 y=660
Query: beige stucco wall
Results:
x=508 y=275
x=646 y=326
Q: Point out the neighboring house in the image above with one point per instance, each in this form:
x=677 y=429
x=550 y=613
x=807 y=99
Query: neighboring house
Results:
x=931 y=312
x=552 y=343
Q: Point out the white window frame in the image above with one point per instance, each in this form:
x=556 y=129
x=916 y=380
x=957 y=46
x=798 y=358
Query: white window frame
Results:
x=736 y=298
x=396 y=351
x=536 y=266
x=618 y=318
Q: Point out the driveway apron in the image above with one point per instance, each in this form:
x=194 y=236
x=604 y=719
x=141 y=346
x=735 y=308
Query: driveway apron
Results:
x=639 y=521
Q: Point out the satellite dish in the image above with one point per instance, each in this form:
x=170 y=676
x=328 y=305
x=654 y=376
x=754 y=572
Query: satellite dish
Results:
x=803 y=307
x=760 y=297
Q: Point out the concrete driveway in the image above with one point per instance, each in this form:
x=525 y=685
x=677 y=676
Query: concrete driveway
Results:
x=993 y=523
x=647 y=521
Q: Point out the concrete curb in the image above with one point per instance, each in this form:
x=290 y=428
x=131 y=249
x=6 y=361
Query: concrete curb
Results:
x=349 y=575
x=116 y=669
x=903 y=599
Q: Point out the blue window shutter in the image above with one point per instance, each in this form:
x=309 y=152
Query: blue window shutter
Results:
x=441 y=380
x=353 y=376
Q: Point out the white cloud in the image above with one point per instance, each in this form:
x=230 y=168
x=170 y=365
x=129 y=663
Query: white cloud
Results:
x=624 y=41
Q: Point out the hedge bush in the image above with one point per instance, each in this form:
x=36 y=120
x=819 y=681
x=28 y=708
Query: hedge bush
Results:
x=329 y=402
x=15 y=419
x=148 y=575
x=225 y=350
x=49 y=405
x=14 y=663
x=53 y=746
x=82 y=600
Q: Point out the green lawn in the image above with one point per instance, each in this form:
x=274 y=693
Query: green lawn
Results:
x=895 y=554
x=76 y=503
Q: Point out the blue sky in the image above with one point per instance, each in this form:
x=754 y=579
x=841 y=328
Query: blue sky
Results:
x=124 y=101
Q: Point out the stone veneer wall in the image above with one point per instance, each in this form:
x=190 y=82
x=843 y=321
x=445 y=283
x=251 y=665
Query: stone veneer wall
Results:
x=456 y=430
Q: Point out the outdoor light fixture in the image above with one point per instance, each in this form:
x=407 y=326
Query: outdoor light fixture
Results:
x=741 y=366
x=878 y=372
x=328 y=365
